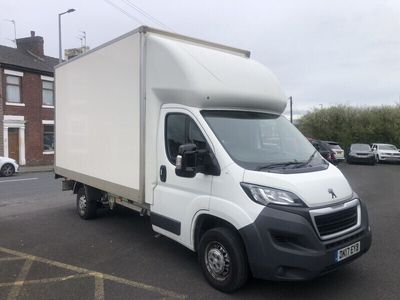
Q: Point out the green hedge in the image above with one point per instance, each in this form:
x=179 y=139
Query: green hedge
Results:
x=348 y=125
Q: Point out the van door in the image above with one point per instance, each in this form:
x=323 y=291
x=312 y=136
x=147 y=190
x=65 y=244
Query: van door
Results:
x=177 y=199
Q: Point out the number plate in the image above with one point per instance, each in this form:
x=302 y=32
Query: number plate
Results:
x=347 y=251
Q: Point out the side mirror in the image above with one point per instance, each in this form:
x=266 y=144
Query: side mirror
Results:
x=191 y=161
x=186 y=161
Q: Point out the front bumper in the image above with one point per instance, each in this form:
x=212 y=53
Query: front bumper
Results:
x=283 y=245
x=389 y=158
x=361 y=159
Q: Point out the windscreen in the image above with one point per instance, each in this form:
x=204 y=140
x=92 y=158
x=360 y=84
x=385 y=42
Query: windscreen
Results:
x=360 y=147
x=335 y=146
x=257 y=140
x=387 y=147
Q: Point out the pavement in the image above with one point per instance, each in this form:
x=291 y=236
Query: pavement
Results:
x=30 y=169
x=48 y=252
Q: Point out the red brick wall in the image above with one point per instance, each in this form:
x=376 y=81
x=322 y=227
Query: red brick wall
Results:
x=1 y=114
x=33 y=112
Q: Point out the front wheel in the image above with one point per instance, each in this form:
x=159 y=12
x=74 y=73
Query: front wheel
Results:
x=7 y=170
x=223 y=259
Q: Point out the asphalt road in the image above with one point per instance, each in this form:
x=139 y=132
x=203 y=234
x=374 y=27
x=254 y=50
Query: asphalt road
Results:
x=45 y=245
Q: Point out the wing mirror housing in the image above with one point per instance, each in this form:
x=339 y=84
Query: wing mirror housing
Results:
x=186 y=161
x=191 y=161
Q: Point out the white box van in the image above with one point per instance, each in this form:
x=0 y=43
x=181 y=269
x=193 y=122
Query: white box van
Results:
x=191 y=134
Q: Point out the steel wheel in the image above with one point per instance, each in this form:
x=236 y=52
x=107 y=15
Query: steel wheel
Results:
x=85 y=206
x=82 y=204
x=217 y=261
x=223 y=259
x=7 y=170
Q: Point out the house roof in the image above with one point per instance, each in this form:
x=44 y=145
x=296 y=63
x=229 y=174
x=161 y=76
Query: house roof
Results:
x=23 y=60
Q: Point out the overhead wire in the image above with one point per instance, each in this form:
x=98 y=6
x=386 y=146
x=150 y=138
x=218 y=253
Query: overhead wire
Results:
x=146 y=14
x=124 y=12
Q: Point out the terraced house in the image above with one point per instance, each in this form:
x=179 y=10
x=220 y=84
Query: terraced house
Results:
x=27 y=102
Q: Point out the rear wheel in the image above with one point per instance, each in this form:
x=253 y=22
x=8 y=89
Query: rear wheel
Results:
x=223 y=259
x=85 y=206
x=7 y=170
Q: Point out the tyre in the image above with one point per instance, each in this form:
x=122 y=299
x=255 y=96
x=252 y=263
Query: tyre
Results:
x=7 y=170
x=223 y=259
x=85 y=206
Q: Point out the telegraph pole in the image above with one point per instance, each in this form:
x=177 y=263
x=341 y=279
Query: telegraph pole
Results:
x=291 y=109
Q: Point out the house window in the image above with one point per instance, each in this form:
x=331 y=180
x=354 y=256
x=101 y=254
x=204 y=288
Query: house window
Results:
x=48 y=93
x=13 y=89
x=48 y=138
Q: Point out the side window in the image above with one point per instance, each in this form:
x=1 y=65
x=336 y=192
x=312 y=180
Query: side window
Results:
x=175 y=129
x=181 y=129
x=195 y=136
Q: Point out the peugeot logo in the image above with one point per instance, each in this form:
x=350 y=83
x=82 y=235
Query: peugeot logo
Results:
x=330 y=191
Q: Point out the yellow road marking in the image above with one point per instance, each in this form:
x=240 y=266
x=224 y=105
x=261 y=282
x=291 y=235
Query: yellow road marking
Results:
x=98 y=287
x=45 y=280
x=12 y=258
x=20 y=279
x=99 y=277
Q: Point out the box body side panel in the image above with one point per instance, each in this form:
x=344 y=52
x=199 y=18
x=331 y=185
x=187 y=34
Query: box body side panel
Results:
x=98 y=115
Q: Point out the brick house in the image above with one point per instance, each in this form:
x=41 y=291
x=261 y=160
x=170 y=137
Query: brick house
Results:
x=27 y=102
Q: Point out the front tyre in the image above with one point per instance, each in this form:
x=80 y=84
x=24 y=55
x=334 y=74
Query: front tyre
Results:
x=223 y=259
x=7 y=170
x=86 y=207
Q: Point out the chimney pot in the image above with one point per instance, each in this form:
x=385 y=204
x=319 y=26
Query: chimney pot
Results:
x=32 y=33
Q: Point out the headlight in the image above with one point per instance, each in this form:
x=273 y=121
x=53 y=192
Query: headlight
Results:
x=266 y=195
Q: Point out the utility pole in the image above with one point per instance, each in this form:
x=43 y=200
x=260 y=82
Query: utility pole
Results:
x=291 y=109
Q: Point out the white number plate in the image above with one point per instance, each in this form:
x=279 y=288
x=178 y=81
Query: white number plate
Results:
x=347 y=251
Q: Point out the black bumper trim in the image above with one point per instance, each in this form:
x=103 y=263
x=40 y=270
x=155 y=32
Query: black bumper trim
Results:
x=284 y=246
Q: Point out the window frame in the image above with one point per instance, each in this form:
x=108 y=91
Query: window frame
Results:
x=52 y=90
x=188 y=118
x=47 y=151
x=19 y=85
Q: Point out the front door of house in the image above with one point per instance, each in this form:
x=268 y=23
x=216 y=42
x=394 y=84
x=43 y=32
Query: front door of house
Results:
x=13 y=144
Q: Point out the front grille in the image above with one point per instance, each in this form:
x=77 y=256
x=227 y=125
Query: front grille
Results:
x=331 y=222
x=336 y=222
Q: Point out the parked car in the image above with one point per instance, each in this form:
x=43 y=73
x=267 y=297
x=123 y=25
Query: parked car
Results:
x=325 y=150
x=386 y=152
x=361 y=153
x=335 y=147
x=8 y=166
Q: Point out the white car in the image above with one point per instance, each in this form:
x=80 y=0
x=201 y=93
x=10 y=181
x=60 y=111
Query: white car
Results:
x=386 y=152
x=8 y=166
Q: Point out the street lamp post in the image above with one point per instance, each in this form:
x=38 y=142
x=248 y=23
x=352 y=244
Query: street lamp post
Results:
x=291 y=109
x=59 y=33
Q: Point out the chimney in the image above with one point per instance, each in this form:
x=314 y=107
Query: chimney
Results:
x=33 y=44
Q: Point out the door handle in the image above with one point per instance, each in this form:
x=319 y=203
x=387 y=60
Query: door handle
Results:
x=163 y=173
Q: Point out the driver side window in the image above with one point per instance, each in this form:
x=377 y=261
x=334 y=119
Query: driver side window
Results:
x=181 y=129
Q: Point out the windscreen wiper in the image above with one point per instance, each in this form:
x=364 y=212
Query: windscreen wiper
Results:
x=303 y=164
x=277 y=165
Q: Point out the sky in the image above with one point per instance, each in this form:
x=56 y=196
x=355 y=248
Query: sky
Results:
x=324 y=53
